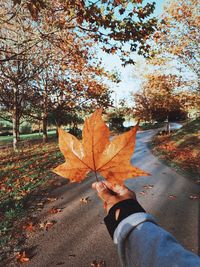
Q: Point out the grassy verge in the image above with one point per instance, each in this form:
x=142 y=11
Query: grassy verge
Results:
x=181 y=149
x=22 y=174
x=33 y=136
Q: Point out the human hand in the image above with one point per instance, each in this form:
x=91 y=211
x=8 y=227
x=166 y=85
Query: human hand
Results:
x=112 y=194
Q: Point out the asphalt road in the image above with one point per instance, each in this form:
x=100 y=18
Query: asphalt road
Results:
x=79 y=237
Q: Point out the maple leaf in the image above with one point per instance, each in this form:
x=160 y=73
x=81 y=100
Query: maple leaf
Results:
x=22 y=257
x=97 y=153
x=85 y=200
x=54 y=210
x=100 y=263
x=29 y=227
x=46 y=225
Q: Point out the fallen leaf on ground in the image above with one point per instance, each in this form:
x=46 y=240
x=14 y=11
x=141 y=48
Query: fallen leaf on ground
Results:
x=193 y=197
x=54 y=210
x=55 y=183
x=100 y=263
x=17 y=235
x=145 y=186
x=143 y=193
x=40 y=204
x=149 y=186
x=52 y=199
x=72 y=255
x=97 y=153
x=85 y=200
x=172 y=197
x=46 y=225
x=29 y=227
x=22 y=257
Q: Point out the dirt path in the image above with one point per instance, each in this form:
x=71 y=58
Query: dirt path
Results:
x=79 y=235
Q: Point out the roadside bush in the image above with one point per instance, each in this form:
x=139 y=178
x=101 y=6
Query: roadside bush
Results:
x=6 y=133
x=25 y=129
x=5 y=127
x=75 y=131
x=36 y=131
x=177 y=115
x=116 y=121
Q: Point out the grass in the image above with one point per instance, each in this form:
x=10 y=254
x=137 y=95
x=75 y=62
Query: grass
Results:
x=21 y=174
x=33 y=136
x=181 y=149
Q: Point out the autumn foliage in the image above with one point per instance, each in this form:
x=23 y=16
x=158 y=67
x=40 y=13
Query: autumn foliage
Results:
x=181 y=148
x=97 y=153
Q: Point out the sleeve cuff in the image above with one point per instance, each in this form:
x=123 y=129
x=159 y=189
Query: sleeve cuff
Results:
x=129 y=223
x=126 y=207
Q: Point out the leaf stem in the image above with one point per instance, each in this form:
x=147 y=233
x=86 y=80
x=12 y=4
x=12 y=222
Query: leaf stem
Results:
x=96 y=176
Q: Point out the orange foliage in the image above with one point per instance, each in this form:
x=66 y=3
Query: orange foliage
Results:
x=186 y=157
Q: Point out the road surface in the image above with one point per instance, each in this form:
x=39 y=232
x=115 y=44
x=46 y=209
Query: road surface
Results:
x=79 y=237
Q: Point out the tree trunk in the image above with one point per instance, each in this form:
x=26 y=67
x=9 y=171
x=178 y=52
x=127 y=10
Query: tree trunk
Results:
x=44 y=129
x=39 y=126
x=15 y=120
x=15 y=132
x=45 y=112
x=17 y=128
x=168 y=125
x=57 y=131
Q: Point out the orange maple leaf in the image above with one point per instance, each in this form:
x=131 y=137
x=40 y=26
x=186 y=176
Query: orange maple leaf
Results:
x=97 y=153
x=22 y=257
x=29 y=227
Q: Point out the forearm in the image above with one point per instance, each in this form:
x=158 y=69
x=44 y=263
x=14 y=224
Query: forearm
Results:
x=142 y=243
x=148 y=245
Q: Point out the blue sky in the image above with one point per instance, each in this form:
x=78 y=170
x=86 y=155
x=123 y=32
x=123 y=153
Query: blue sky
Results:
x=128 y=82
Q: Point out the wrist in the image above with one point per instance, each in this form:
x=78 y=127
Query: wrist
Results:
x=125 y=208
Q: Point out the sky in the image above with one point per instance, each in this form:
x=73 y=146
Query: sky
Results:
x=129 y=81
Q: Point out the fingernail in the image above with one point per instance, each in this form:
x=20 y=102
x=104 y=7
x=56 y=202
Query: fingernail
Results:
x=100 y=186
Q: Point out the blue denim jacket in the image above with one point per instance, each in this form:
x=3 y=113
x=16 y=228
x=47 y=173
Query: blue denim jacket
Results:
x=142 y=243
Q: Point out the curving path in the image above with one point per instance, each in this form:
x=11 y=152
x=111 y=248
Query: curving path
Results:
x=79 y=236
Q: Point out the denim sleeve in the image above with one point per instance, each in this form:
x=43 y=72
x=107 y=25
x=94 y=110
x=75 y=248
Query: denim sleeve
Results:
x=142 y=243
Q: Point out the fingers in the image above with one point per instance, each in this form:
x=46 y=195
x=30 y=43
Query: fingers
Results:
x=108 y=185
x=102 y=190
x=105 y=191
x=119 y=189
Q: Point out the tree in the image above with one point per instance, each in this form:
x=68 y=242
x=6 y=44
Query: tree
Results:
x=109 y=23
x=178 y=36
x=32 y=33
x=171 y=76
x=15 y=91
x=68 y=84
x=32 y=77
x=159 y=99
x=16 y=74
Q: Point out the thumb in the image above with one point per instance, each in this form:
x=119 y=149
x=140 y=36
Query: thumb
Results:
x=103 y=191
